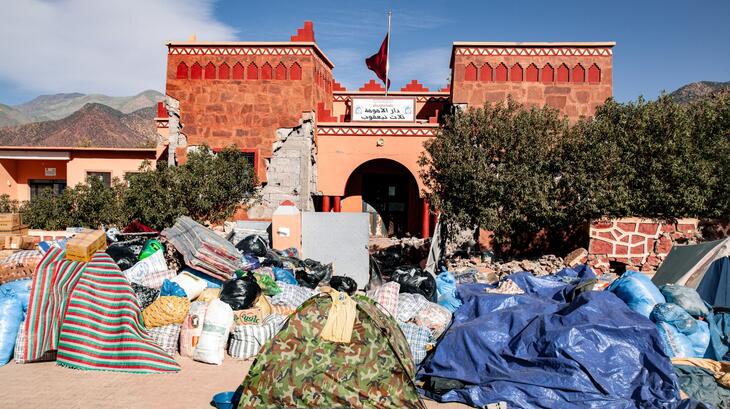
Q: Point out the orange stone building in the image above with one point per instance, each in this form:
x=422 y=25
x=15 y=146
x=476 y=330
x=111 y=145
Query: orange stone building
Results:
x=326 y=148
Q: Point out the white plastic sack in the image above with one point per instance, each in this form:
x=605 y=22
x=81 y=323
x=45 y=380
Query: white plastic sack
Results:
x=155 y=263
x=192 y=285
x=216 y=327
x=192 y=327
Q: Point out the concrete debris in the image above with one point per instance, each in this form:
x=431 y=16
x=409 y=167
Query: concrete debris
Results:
x=491 y=270
x=576 y=257
x=506 y=287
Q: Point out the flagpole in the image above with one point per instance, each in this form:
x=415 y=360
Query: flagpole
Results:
x=387 y=56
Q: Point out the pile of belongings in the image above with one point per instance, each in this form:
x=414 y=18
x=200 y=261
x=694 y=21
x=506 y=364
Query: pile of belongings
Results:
x=550 y=344
x=410 y=299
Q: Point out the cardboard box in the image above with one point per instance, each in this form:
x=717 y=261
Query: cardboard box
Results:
x=10 y=221
x=83 y=245
x=20 y=230
x=17 y=242
x=254 y=315
x=251 y=316
x=29 y=243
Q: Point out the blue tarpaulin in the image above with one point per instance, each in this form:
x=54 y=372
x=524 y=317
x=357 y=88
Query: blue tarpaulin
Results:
x=536 y=350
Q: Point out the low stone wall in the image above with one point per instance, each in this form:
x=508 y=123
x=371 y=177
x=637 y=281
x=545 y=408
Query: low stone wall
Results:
x=643 y=244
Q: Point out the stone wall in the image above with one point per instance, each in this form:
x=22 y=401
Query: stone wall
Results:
x=241 y=93
x=643 y=244
x=574 y=79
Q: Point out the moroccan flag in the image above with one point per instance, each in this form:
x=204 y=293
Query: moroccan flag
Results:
x=378 y=63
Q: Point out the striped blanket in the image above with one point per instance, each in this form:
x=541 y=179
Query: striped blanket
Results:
x=90 y=315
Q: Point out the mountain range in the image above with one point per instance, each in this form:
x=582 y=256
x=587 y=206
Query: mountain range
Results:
x=59 y=106
x=94 y=125
x=690 y=92
x=74 y=119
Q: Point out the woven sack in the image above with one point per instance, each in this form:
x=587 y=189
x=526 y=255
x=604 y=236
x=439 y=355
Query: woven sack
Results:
x=166 y=337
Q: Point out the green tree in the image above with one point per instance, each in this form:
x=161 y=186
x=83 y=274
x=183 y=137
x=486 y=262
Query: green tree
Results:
x=526 y=172
x=217 y=183
x=495 y=167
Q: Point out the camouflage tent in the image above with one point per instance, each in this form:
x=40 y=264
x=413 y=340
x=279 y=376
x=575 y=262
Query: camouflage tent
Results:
x=297 y=369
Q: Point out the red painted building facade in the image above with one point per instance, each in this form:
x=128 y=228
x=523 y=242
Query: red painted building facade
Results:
x=245 y=93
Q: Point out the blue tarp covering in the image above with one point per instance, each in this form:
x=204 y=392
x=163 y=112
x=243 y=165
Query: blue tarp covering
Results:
x=536 y=350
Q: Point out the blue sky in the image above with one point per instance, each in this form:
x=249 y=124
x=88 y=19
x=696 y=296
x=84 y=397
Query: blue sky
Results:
x=661 y=45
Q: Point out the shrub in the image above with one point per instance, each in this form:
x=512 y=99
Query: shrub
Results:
x=7 y=205
x=209 y=187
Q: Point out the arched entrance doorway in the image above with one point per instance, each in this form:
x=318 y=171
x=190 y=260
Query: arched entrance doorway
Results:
x=386 y=187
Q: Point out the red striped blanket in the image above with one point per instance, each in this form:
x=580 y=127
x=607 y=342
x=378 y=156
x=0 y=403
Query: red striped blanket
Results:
x=90 y=315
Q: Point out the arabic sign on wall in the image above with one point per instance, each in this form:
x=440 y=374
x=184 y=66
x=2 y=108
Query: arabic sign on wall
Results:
x=384 y=109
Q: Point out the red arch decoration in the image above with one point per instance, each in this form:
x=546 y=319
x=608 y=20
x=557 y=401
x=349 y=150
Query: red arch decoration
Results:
x=470 y=72
x=295 y=72
x=252 y=72
x=267 y=72
x=196 y=72
x=224 y=72
x=548 y=74
x=182 y=71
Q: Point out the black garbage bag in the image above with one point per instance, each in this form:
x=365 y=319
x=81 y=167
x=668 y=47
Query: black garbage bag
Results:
x=272 y=259
x=291 y=263
x=240 y=293
x=253 y=244
x=415 y=281
x=346 y=284
x=313 y=274
x=145 y=295
x=126 y=253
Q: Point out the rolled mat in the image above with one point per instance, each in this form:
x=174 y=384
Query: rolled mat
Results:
x=89 y=314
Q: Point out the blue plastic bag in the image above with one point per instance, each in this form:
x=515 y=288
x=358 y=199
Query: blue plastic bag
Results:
x=637 y=291
x=446 y=284
x=21 y=288
x=696 y=333
x=446 y=289
x=249 y=262
x=282 y=274
x=170 y=288
x=675 y=343
x=11 y=316
x=685 y=297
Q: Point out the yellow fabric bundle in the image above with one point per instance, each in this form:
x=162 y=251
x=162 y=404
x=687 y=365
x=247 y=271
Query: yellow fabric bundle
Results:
x=165 y=311
x=341 y=318
x=721 y=370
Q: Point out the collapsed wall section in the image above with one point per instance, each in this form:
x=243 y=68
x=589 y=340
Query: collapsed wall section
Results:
x=291 y=171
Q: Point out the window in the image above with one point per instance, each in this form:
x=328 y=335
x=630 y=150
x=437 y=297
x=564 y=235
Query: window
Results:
x=251 y=158
x=37 y=186
x=104 y=177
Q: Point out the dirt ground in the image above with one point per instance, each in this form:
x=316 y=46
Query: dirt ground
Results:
x=46 y=385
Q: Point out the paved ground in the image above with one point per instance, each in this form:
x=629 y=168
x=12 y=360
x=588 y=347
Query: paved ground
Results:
x=46 y=385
